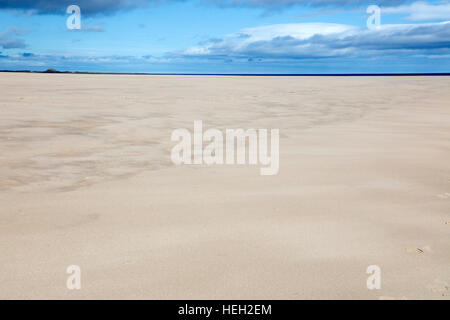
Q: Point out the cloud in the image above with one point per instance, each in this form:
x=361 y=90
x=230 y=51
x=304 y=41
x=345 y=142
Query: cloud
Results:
x=277 y=4
x=92 y=28
x=60 y=6
x=295 y=30
x=259 y=61
x=110 y=6
x=325 y=40
x=421 y=11
x=267 y=40
x=210 y=40
x=9 y=40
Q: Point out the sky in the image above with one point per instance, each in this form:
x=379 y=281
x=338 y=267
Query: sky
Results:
x=226 y=36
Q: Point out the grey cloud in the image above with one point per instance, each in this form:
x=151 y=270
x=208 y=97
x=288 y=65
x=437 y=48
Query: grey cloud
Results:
x=92 y=28
x=60 y=6
x=211 y=40
x=9 y=40
x=396 y=37
x=110 y=6
x=12 y=44
x=399 y=39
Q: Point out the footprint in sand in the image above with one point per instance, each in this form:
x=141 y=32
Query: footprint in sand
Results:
x=441 y=288
x=418 y=250
x=444 y=195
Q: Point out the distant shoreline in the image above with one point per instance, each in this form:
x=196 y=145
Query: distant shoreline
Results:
x=239 y=74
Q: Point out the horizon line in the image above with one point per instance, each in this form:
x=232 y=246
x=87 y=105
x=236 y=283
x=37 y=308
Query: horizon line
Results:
x=52 y=71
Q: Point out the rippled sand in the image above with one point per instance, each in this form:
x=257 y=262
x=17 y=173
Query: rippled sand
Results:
x=86 y=179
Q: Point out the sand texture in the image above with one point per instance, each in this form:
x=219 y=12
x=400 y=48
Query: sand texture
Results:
x=86 y=179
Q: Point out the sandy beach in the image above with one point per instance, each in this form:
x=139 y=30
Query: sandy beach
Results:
x=87 y=180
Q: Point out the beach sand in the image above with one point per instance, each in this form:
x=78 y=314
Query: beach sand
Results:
x=87 y=180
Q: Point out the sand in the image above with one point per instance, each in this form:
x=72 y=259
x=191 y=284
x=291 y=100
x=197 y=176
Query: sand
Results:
x=87 y=180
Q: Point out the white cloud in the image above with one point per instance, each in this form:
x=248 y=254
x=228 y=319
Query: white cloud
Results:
x=421 y=11
x=295 y=30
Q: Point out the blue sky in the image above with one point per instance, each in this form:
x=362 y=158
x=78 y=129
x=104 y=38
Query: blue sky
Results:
x=226 y=36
